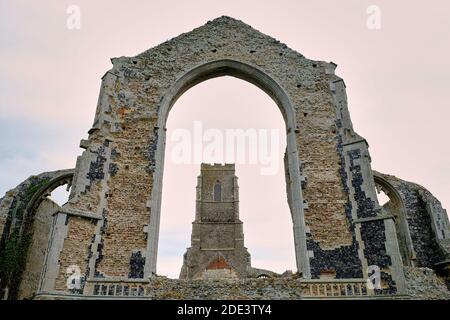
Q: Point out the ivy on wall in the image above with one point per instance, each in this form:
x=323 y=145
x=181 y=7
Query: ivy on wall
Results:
x=14 y=251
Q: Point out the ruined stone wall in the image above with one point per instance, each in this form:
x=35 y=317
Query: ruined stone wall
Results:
x=17 y=209
x=217 y=240
x=126 y=118
x=117 y=179
x=126 y=196
x=225 y=289
x=427 y=222
x=76 y=250
x=3 y=220
x=424 y=284
x=207 y=209
x=425 y=247
x=421 y=283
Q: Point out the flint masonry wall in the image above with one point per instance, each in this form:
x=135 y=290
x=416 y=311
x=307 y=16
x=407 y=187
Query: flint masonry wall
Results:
x=116 y=188
x=217 y=241
x=421 y=283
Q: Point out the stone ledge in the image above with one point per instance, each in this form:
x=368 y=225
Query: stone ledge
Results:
x=80 y=213
x=371 y=219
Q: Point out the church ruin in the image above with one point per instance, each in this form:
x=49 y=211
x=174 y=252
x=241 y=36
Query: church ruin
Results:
x=103 y=242
x=217 y=248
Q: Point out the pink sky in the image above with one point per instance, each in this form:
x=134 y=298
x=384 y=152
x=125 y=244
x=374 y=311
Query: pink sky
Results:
x=397 y=81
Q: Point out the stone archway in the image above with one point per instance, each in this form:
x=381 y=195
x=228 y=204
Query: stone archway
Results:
x=254 y=75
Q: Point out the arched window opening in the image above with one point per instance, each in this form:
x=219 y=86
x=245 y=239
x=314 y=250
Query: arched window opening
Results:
x=383 y=198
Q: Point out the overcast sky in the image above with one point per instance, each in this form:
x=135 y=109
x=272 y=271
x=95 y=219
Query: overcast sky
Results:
x=397 y=81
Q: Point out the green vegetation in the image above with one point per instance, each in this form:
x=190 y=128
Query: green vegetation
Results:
x=14 y=252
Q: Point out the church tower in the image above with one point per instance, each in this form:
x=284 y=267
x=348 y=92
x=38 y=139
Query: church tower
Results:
x=217 y=242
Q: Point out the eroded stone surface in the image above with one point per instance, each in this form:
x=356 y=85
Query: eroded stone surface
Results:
x=26 y=216
x=427 y=225
x=217 y=242
x=36 y=252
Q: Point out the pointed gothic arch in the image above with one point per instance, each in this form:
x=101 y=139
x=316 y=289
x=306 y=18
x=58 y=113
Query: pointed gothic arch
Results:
x=256 y=76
